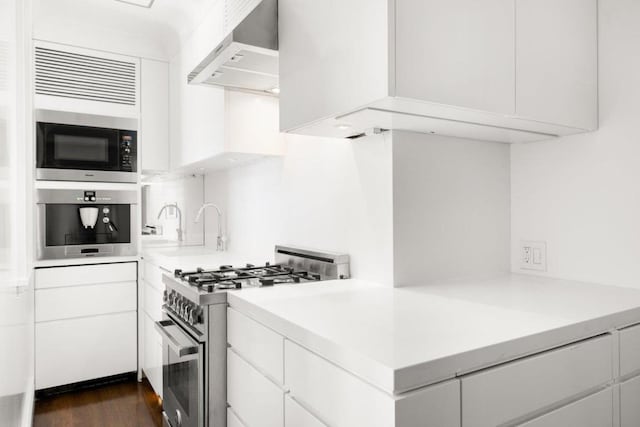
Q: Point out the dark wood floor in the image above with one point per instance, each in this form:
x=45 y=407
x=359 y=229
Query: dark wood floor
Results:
x=128 y=403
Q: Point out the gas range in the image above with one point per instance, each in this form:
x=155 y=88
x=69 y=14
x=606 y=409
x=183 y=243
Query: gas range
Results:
x=194 y=326
x=189 y=291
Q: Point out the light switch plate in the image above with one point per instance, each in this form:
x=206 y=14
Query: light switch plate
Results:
x=533 y=255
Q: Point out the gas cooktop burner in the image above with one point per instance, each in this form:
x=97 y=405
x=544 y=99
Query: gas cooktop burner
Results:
x=227 y=277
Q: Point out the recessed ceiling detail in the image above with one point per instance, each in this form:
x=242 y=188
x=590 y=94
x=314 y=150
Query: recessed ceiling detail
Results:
x=141 y=3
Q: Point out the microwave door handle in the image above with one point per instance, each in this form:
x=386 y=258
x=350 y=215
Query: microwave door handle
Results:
x=180 y=350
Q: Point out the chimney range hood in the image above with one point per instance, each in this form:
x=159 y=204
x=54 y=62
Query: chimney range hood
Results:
x=247 y=59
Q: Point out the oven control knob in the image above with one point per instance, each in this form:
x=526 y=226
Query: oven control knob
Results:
x=165 y=296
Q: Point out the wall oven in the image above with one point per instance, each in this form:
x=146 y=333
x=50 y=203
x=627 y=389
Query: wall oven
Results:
x=194 y=346
x=83 y=223
x=85 y=147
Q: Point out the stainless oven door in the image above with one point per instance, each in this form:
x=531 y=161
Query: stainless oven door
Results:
x=182 y=376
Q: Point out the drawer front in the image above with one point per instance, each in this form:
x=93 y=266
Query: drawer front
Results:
x=296 y=416
x=256 y=343
x=152 y=302
x=337 y=397
x=153 y=275
x=254 y=398
x=629 y=350
x=68 y=351
x=593 y=411
x=89 y=300
x=232 y=419
x=152 y=358
x=85 y=275
x=630 y=403
x=513 y=390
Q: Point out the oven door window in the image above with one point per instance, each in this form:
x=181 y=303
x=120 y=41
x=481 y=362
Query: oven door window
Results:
x=183 y=378
x=78 y=147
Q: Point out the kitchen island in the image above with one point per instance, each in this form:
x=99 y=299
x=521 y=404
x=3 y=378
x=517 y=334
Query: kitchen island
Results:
x=511 y=350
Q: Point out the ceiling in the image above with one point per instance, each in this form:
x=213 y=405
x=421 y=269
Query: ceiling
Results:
x=166 y=23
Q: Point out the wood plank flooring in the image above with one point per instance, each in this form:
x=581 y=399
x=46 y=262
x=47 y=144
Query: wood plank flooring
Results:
x=123 y=404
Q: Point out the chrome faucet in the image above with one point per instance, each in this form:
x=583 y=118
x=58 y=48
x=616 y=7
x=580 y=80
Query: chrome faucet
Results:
x=221 y=239
x=174 y=205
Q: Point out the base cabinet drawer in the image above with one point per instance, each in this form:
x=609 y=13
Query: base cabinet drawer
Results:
x=81 y=301
x=630 y=403
x=513 y=390
x=593 y=411
x=258 y=344
x=629 y=350
x=340 y=399
x=79 y=275
x=255 y=399
x=152 y=358
x=296 y=416
x=69 y=351
x=232 y=419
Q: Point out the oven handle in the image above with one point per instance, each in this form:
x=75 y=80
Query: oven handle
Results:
x=172 y=342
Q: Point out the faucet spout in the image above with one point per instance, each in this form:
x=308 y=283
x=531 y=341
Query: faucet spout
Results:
x=174 y=205
x=221 y=238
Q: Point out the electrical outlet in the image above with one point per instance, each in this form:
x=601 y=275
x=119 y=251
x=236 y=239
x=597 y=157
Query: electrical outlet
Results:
x=533 y=255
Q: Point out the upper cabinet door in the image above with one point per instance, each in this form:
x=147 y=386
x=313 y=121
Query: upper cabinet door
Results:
x=334 y=56
x=457 y=52
x=557 y=61
x=154 y=115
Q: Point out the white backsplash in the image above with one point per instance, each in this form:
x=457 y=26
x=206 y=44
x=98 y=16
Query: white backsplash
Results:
x=188 y=193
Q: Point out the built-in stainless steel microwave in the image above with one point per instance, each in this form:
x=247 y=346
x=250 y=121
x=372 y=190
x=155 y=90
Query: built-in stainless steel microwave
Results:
x=85 y=147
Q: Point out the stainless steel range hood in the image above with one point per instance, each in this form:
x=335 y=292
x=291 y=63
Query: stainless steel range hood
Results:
x=247 y=58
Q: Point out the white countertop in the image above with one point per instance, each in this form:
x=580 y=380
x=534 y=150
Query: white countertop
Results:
x=399 y=339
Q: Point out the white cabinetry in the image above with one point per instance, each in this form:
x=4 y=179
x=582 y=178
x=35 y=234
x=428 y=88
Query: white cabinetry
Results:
x=151 y=312
x=315 y=391
x=593 y=411
x=85 y=323
x=154 y=116
x=513 y=390
x=215 y=129
x=500 y=70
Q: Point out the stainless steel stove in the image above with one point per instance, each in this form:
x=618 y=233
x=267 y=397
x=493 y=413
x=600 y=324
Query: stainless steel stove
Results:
x=194 y=327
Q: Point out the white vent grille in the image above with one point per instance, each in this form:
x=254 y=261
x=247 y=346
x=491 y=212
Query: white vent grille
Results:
x=73 y=75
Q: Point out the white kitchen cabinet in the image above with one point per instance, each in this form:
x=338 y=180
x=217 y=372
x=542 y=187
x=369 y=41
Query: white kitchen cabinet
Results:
x=557 y=61
x=630 y=403
x=86 y=348
x=513 y=390
x=341 y=399
x=254 y=398
x=465 y=55
x=151 y=312
x=152 y=356
x=257 y=344
x=232 y=419
x=629 y=350
x=436 y=66
x=86 y=325
x=154 y=116
x=592 y=411
x=211 y=128
x=296 y=416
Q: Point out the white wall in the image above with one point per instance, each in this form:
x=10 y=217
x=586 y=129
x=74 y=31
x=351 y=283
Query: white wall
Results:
x=451 y=201
x=408 y=208
x=327 y=194
x=581 y=194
